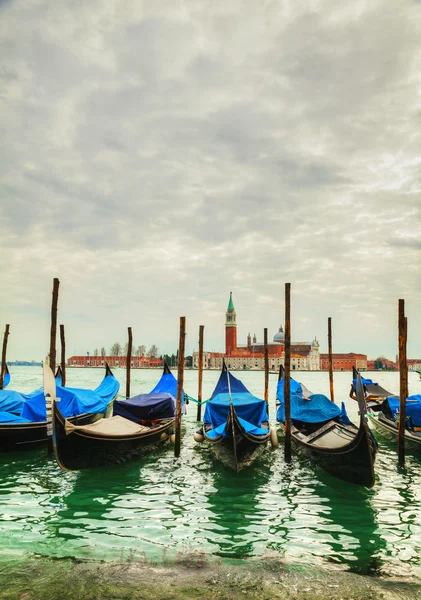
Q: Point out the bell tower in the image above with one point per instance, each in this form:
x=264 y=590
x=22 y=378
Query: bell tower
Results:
x=230 y=328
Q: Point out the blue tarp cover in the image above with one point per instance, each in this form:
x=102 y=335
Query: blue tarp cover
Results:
x=167 y=385
x=158 y=404
x=412 y=407
x=13 y=402
x=364 y=382
x=6 y=379
x=7 y=417
x=146 y=407
x=250 y=410
x=317 y=408
x=73 y=401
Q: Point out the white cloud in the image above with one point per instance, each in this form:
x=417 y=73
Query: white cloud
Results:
x=156 y=156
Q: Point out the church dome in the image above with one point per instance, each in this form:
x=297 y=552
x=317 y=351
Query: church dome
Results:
x=279 y=337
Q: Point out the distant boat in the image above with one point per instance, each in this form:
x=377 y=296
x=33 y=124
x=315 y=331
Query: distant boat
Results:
x=23 y=422
x=235 y=424
x=138 y=422
x=324 y=430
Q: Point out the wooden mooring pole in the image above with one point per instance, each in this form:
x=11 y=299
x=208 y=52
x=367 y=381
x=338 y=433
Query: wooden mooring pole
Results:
x=287 y=372
x=403 y=380
x=3 y=356
x=129 y=361
x=329 y=342
x=265 y=341
x=63 y=356
x=180 y=384
x=200 y=374
x=53 y=331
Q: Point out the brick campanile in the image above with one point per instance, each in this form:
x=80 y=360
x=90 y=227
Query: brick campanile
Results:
x=230 y=328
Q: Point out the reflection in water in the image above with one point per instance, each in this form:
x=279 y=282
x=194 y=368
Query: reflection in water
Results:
x=161 y=506
x=233 y=506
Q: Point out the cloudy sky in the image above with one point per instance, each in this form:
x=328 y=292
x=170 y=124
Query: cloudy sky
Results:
x=157 y=155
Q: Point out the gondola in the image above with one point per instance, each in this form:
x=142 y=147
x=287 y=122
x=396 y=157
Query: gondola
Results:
x=324 y=430
x=374 y=393
x=138 y=422
x=386 y=419
x=383 y=412
x=23 y=422
x=235 y=424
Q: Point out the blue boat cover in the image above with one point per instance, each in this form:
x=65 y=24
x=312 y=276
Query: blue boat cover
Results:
x=146 y=407
x=250 y=410
x=167 y=385
x=73 y=401
x=158 y=404
x=13 y=402
x=317 y=408
x=412 y=408
x=364 y=382
x=6 y=379
x=6 y=417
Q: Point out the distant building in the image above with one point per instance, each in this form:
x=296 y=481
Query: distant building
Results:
x=137 y=362
x=344 y=362
x=304 y=355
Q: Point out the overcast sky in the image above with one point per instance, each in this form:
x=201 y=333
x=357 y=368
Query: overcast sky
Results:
x=157 y=155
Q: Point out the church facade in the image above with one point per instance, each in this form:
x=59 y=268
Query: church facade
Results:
x=305 y=356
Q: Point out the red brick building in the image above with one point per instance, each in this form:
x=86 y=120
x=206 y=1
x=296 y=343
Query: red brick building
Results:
x=137 y=362
x=344 y=362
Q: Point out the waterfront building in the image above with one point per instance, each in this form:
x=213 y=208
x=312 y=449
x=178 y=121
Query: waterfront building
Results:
x=305 y=356
x=344 y=362
x=137 y=362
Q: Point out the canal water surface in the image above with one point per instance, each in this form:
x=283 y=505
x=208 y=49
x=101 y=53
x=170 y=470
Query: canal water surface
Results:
x=158 y=507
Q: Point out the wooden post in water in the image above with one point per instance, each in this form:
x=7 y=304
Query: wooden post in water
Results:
x=53 y=331
x=63 y=356
x=287 y=375
x=200 y=374
x=403 y=380
x=329 y=342
x=180 y=384
x=3 y=356
x=129 y=361
x=265 y=341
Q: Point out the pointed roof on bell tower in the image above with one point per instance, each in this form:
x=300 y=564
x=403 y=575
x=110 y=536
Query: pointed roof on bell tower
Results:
x=231 y=303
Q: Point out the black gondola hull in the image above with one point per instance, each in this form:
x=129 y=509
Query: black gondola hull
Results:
x=26 y=436
x=389 y=429
x=238 y=451
x=79 y=450
x=353 y=463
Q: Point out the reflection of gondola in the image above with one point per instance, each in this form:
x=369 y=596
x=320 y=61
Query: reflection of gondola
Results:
x=374 y=393
x=136 y=423
x=23 y=418
x=235 y=423
x=352 y=528
x=234 y=512
x=325 y=432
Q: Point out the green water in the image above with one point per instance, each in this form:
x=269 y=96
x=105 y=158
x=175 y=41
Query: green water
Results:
x=159 y=508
